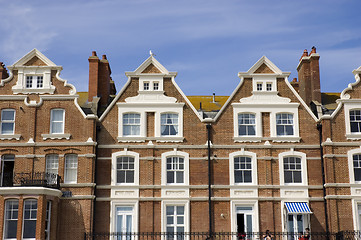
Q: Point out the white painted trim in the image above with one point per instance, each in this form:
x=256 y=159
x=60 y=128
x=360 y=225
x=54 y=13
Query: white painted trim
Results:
x=303 y=167
x=115 y=155
x=243 y=153
x=30 y=191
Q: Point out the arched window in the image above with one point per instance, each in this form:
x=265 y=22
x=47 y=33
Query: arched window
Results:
x=29 y=218
x=71 y=168
x=11 y=218
x=243 y=168
x=293 y=168
x=175 y=168
x=125 y=168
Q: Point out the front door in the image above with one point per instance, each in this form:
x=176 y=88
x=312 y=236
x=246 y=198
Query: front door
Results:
x=7 y=170
x=296 y=225
x=244 y=222
x=124 y=222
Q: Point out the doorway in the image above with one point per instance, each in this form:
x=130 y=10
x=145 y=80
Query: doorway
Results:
x=244 y=222
x=7 y=170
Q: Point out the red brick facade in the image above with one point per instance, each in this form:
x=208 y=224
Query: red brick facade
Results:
x=143 y=165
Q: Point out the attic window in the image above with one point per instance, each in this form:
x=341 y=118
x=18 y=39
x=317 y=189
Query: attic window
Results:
x=156 y=86
x=34 y=81
x=259 y=86
x=146 y=86
x=269 y=87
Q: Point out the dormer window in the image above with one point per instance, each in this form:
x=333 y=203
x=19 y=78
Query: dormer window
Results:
x=259 y=86
x=269 y=87
x=355 y=121
x=156 y=86
x=146 y=86
x=34 y=81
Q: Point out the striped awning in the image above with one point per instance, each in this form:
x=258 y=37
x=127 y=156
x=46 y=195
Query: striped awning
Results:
x=297 y=207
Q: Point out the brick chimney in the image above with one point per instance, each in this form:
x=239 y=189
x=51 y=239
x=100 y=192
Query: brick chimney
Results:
x=3 y=71
x=309 y=77
x=99 y=79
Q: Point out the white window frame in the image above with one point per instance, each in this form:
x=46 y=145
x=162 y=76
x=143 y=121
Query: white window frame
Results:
x=271 y=86
x=31 y=219
x=175 y=153
x=67 y=168
x=286 y=124
x=273 y=126
x=8 y=121
x=126 y=153
x=245 y=138
x=35 y=80
x=263 y=80
x=125 y=203
x=151 y=79
x=255 y=124
x=169 y=135
x=349 y=105
x=259 y=86
x=146 y=86
x=166 y=203
x=6 y=220
x=52 y=163
x=53 y=121
x=244 y=203
x=304 y=175
x=350 y=155
x=143 y=125
x=48 y=219
x=138 y=125
x=155 y=86
x=243 y=153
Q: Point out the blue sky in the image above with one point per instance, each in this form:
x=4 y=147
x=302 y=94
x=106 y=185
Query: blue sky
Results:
x=207 y=42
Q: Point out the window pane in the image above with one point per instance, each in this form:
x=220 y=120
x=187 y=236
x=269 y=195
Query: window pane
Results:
x=11 y=218
x=247 y=176
x=71 y=168
x=8 y=114
x=169 y=124
x=29 y=220
x=170 y=177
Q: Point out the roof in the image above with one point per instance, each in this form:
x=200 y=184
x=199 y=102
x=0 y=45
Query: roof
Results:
x=206 y=102
x=329 y=100
x=83 y=98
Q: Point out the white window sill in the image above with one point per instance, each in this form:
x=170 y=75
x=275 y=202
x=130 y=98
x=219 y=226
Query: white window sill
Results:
x=286 y=139
x=247 y=139
x=17 y=90
x=131 y=139
x=353 y=136
x=56 y=136
x=10 y=136
x=169 y=139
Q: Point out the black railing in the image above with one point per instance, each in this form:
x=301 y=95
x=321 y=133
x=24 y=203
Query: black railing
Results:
x=345 y=235
x=38 y=179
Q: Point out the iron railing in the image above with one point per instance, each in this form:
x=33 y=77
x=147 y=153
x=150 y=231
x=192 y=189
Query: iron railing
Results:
x=345 y=235
x=38 y=179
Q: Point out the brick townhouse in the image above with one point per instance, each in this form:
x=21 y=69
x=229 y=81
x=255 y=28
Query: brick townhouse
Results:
x=47 y=147
x=275 y=154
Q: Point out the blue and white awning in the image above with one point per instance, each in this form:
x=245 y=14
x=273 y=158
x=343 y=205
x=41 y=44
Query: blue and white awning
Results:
x=298 y=207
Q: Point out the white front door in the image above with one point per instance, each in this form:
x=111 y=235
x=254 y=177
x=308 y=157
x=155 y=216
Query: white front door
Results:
x=124 y=222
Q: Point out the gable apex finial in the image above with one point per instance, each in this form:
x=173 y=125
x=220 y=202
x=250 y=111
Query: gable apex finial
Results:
x=151 y=53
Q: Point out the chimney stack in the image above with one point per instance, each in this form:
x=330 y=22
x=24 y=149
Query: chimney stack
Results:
x=100 y=82
x=309 y=77
x=3 y=71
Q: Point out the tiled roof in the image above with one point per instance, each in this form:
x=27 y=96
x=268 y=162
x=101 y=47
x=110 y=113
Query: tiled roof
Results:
x=83 y=98
x=329 y=100
x=207 y=102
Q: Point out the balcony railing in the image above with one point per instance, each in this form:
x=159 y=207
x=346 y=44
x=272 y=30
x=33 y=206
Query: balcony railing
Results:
x=345 y=235
x=36 y=179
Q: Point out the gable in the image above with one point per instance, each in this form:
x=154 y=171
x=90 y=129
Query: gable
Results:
x=264 y=69
x=35 y=61
x=151 y=69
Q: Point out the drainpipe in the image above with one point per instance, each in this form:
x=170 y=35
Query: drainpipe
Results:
x=209 y=128
x=319 y=128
